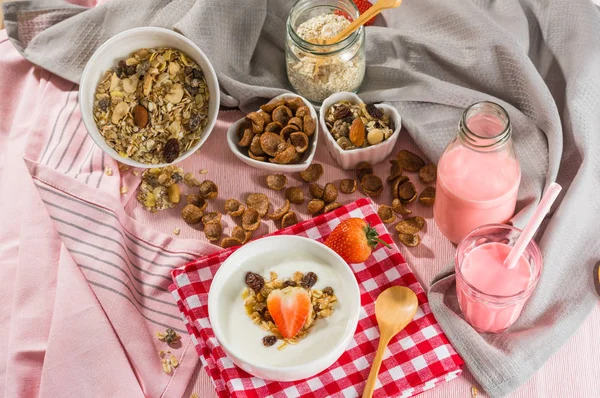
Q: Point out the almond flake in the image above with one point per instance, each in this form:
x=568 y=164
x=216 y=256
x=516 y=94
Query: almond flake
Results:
x=124 y=190
x=203 y=171
x=177 y=231
x=108 y=171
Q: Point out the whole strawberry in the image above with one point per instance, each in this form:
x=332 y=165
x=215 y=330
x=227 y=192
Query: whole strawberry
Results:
x=364 y=5
x=353 y=239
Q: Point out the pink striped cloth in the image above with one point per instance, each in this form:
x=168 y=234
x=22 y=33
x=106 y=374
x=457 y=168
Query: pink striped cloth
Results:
x=62 y=336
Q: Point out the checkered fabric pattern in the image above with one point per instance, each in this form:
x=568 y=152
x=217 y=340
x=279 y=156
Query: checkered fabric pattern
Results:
x=417 y=359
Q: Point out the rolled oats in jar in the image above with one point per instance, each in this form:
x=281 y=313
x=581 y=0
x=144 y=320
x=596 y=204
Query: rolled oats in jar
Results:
x=317 y=70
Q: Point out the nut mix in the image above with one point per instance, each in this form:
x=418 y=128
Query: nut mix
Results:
x=256 y=296
x=358 y=126
x=153 y=106
x=279 y=133
x=155 y=192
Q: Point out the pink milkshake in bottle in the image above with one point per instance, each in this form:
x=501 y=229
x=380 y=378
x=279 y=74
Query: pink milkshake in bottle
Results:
x=478 y=175
x=490 y=295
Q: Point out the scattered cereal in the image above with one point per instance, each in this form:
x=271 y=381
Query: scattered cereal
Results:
x=409 y=240
x=409 y=161
x=428 y=173
x=331 y=207
x=407 y=193
x=289 y=219
x=330 y=193
x=230 y=242
x=124 y=190
x=316 y=191
x=276 y=181
x=234 y=207
x=203 y=171
x=348 y=185
x=395 y=170
x=191 y=214
x=197 y=200
x=250 y=220
x=295 y=195
x=410 y=225
x=212 y=217
x=108 y=171
x=177 y=231
x=169 y=336
x=315 y=206
x=427 y=197
x=399 y=207
x=474 y=392
x=371 y=185
x=386 y=213
x=258 y=202
x=208 y=189
x=312 y=172
x=213 y=230
x=279 y=213
x=362 y=169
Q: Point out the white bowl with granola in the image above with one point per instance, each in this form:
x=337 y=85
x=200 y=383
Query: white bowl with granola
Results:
x=357 y=132
x=280 y=137
x=149 y=97
x=284 y=308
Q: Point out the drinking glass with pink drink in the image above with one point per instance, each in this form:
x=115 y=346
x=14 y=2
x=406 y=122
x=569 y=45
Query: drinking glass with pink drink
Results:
x=491 y=296
x=478 y=174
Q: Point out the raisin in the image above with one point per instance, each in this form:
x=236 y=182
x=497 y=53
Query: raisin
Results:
x=130 y=70
x=267 y=316
x=171 y=150
x=268 y=341
x=197 y=74
x=188 y=70
x=328 y=290
x=289 y=283
x=255 y=282
x=308 y=280
x=103 y=104
x=374 y=111
x=194 y=122
x=191 y=89
x=349 y=119
x=341 y=112
x=121 y=69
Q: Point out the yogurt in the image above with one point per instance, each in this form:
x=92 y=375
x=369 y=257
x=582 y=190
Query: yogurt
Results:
x=245 y=338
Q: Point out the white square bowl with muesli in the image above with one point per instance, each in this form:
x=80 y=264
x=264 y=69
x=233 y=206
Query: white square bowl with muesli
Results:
x=249 y=296
x=349 y=157
x=149 y=97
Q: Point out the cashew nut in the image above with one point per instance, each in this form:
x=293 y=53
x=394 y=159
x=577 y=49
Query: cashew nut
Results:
x=119 y=112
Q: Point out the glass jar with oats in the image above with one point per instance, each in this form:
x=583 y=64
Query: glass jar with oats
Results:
x=318 y=70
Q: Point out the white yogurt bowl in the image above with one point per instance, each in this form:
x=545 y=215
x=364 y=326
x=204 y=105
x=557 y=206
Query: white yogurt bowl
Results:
x=239 y=152
x=242 y=340
x=348 y=159
x=119 y=47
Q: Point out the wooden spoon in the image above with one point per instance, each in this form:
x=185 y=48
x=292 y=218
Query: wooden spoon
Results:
x=394 y=309
x=360 y=21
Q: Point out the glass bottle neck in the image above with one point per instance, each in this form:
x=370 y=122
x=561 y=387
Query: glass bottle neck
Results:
x=484 y=127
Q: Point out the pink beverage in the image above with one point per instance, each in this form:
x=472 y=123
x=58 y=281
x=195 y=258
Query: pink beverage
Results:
x=490 y=295
x=478 y=174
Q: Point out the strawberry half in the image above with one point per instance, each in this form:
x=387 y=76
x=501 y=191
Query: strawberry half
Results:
x=289 y=310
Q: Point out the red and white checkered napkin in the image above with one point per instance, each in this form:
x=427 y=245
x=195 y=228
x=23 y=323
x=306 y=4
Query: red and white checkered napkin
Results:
x=417 y=359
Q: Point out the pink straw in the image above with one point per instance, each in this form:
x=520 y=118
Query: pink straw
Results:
x=532 y=226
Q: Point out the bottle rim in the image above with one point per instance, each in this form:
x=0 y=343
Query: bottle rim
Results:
x=479 y=142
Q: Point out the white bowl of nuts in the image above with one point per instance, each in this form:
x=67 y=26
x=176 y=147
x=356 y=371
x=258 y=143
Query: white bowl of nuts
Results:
x=280 y=137
x=149 y=97
x=357 y=132
x=284 y=308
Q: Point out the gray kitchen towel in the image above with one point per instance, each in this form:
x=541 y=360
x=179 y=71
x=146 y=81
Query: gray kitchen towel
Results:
x=540 y=59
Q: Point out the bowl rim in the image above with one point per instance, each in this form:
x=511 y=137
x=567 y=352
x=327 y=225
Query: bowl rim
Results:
x=342 y=342
x=327 y=102
x=86 y=80
x=287 y=168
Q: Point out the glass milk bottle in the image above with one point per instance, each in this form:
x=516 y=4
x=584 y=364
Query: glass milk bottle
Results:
x=478 y=174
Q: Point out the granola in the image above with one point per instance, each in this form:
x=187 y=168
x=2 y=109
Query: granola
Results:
x=258 y=289
x=153 y=106
x=156 y=191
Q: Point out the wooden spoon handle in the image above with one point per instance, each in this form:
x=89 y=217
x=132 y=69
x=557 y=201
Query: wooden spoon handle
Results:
x=362 y=19
x=384 y=339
